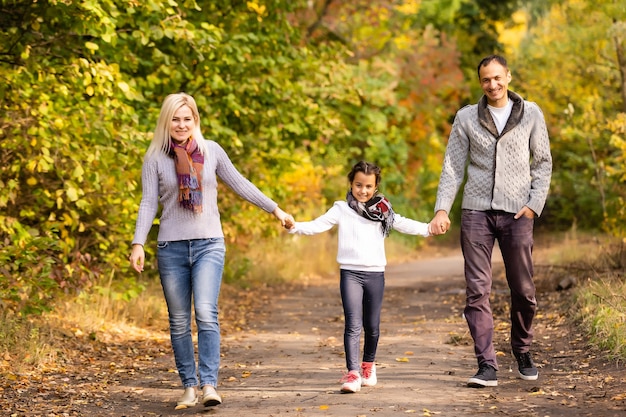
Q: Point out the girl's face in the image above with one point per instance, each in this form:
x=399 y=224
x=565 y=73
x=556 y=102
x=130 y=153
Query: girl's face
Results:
x=363 y=186
x=182 y=125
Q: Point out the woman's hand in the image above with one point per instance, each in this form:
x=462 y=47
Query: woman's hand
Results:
x=137 y=257
x=286 y=220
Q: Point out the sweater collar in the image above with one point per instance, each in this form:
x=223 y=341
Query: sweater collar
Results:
x=486 y=121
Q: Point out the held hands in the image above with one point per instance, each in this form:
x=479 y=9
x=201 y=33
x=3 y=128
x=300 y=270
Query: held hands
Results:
x=286 y=220
x=440 y=224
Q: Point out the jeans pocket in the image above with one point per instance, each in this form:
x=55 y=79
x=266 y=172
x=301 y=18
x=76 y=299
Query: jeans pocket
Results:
x=162 y=245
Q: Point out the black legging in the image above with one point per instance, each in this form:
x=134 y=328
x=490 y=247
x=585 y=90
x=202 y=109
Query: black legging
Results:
x=362 y=298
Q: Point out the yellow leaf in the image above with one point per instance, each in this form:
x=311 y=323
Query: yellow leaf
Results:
x=72 y=193
x=323 y=407
x=92 y=46
x=123 y=86
x=402 y=359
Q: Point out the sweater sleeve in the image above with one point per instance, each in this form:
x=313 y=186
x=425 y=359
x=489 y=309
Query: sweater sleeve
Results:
x=409 y=226
x=541 y=162
x=454 y=162
x=323 y=223
x=149 y=201
x=237 y=182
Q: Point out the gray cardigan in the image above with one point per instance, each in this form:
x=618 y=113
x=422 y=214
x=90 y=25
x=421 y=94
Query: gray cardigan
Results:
x=160 y=185
x=504 y=172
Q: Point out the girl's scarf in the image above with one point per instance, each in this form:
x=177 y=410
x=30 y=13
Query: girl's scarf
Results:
x=189 y=162
x=377 y=209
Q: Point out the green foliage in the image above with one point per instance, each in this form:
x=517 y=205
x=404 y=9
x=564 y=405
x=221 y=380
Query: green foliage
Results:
x=83 y=84
x=582 y=97
x=472 y=23
x=295 y=91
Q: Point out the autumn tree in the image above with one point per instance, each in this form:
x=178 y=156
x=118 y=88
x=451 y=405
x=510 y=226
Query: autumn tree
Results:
x=577 y=77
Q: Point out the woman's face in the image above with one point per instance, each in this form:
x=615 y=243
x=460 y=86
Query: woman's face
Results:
x=363 y=186
x=182 y=125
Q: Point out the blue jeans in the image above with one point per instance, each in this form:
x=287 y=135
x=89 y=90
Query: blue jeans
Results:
x=479 y=230
x=193 y=267
x=362 y=298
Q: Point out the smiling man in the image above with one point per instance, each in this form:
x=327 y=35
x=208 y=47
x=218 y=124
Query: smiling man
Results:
x=502 y=145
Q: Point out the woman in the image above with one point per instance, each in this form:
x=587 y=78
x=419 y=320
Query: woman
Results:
x=180 y=171
x=364 y=219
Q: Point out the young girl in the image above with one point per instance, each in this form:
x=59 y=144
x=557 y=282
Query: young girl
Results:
x=364 y=220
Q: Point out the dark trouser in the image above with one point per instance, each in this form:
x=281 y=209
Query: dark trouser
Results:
x=362 y=298
x=479 y=230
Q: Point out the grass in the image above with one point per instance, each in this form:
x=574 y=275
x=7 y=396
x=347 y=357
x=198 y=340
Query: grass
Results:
x=602 y=313
x=597 y=265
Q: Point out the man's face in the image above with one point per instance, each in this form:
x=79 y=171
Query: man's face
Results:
x=494 y=80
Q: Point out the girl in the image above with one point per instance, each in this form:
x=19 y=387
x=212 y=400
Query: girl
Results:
x=180 y=173
x=364 y=220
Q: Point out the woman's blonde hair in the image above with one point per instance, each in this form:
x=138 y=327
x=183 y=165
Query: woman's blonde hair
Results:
x=173 y=102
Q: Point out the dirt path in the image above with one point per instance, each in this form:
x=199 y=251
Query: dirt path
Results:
x=289 y=358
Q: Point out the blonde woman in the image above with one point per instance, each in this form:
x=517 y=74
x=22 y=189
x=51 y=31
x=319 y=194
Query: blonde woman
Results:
x=180 y=172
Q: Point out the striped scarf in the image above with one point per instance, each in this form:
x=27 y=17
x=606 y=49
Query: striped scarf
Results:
x=377 y=209
x=189 y=162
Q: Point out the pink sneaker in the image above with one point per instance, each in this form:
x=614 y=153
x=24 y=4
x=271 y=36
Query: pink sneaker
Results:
x=368 y=373
x=351 y=382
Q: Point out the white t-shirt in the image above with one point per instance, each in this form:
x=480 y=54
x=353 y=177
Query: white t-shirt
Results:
x=501 y=115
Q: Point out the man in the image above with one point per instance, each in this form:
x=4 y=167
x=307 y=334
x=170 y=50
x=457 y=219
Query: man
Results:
x=502 y=143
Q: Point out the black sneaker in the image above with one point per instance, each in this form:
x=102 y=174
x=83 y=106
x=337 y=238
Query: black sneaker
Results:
x=526 y=367
x=485 y=377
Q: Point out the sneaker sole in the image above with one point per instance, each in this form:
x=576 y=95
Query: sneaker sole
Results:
x=527 y=377
x=480 y=383
x=350 y=391
x=211 y=402
x=186 y=404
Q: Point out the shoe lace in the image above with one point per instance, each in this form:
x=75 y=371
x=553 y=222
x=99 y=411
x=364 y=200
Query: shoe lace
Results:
x=366 y=371
x=350 y=377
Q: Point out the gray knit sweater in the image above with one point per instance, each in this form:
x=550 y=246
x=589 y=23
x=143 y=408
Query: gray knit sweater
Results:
x=504 y=172
x=160 y=185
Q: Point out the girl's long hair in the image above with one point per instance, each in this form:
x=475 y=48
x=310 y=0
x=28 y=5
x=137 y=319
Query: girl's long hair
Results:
x=161 y=140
